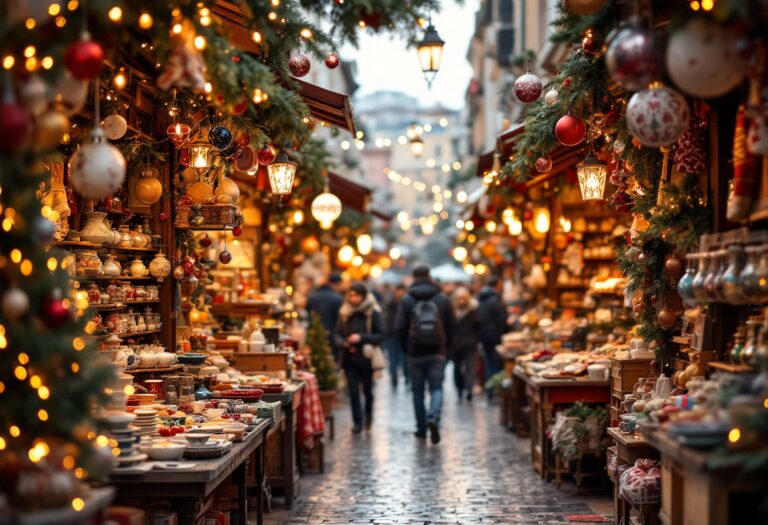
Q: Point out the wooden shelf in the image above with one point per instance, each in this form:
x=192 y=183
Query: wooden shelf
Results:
x=732 y=369
x=208 y=228
x=128 y=335
x=120 y=212
x=155 y=370
x=118 y=306
x=102 y=247
x=572 y=286
x=119 y=278
x=680 y=340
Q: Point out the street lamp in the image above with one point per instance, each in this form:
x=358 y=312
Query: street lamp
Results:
x=430 y=51
x=281 y=174
x=417 y=146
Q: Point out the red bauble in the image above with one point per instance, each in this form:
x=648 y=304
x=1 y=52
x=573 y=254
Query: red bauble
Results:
x=528 y=87
x=15 y=126
x=205 y=242
x=84 y=58
x=332 y=61
x=239 y=107
x=570 y=130
x=225 y=257
x=543 y=164
x=674 y=266
x=188 y=267
x=667 y=318
x=590 y=45
x=527 y=215
x=267 y=155
x=237 y=231
x=163 y=216
x=299 y=65
x=54 y=310
x=372 y=19
x=566 y=82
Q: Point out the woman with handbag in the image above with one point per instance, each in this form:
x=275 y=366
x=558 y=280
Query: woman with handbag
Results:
x=465 y=341
x=359 y=333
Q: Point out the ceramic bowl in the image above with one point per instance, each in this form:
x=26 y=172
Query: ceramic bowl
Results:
x=146 y=399
x=197 y=438
x=164 y=450
x=191 y=359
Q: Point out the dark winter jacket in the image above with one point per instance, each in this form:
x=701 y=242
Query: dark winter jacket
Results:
x=365 y=320
x=390 y=315
x=467 y=333
x=326 y=303
x=424 y=290
x=493 y=318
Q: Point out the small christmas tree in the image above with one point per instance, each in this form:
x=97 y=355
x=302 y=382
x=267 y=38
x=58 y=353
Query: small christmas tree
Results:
x=320 y=352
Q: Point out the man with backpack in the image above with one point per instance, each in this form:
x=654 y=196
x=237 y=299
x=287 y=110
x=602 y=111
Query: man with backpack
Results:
x=424 y=327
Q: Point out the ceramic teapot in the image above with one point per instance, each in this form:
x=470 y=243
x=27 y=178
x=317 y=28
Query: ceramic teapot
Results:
x=148 y=358
x=95 y=230
x=111 y=267
x=138 y=269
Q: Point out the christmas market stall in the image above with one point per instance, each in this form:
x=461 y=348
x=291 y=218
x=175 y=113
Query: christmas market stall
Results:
x=663 y=106
x=156 y=160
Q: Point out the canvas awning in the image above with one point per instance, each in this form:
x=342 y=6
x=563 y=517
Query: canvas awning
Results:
x=352 y=195
x=324 y=105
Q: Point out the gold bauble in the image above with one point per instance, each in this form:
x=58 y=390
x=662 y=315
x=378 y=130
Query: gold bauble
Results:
x=50 y=129
x=229 y=188
x=200 y=192
x=189 y=176
x=310 y=245
x=148 y=189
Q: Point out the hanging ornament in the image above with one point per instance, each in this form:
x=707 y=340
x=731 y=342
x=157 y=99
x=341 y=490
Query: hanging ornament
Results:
x=757 y=133
x=115 y=127
x=370 y=18
x=15 y=125
x=674 y=267
x=543 y=164
x=745 y=172
x=50 y=128
x=299 y=65
x=227 y=192
x=583 y=7
x=70 y=94
x=667 y=318
x=205 y=242
x=551 y=97
x=527 y=87
x=178 y=132
x=596 y=124
x=185 y=66
x=188 y=266
x=178 y=273
x=148 y=188
x=42 y=230
x=84 y=58
x=332 y=61
x=54 y=311
x=237 y=231
x=570 y=130
x=589 y=43
x=632 y=58
x=267 y=154
x=225 y=257
x=34 y=95
x=238 y=108
x=621 y=201
x=690 y=154
x=704 y=60
x=14 y=304
x=657 y=116
x=220 y=137
x=97 y=169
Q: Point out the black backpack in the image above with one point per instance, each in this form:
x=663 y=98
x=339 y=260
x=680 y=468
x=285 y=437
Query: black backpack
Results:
x=426 y=331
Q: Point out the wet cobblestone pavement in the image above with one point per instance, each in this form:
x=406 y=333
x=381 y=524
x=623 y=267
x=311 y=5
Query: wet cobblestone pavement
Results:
x=479 y=474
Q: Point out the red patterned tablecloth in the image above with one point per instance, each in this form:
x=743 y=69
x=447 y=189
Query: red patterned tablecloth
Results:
x=311 y=421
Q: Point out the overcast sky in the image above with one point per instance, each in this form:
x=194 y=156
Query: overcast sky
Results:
x=384 y=63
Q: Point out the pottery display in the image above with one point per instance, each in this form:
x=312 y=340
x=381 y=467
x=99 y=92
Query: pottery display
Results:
x=148 y=188
x=88 y=263
x=138 y=269
x=95 y=231
x=111 y=267
x=160 y=266
x=126 y=241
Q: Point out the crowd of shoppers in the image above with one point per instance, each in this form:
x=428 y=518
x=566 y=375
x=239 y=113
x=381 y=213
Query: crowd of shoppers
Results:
x=420 y=327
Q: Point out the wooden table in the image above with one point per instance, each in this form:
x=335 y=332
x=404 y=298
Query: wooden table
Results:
x=520 y=416
x=694 y=493
x=284 y=476
x=188 y=490
x=545 y=397
x=630 y=447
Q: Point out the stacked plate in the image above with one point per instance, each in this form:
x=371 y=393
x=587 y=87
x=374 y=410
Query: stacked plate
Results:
x=212 y=448
x=128 y=442
x=146 y=420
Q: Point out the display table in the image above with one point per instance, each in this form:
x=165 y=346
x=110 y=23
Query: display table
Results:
x=520 y=416
x=546 y=397
x=629 y=449
x=189 y=490
x=693 y=493
x=282 y=455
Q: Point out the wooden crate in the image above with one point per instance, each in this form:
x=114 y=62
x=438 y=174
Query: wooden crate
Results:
x=625 y=373
x=251 y=362
x=217 y=215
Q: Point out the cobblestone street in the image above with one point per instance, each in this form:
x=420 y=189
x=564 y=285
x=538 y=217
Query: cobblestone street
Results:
x=479 y=474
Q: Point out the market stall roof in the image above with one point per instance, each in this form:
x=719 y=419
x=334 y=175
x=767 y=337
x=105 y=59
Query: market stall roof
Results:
x=353 y=195
x=324 y=105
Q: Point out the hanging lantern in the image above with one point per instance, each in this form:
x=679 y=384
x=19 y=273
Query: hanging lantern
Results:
x=281 y=174
x=364 y=244
x=200 y=154
x=178 y=133
x=541 y=220
x=592 y=174
x=326 y=208
x=346 y=254
x=430 y=51
x=417 y=146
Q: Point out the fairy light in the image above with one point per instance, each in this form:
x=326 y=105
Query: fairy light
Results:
x=78 y=504
x=42 y=414
x=200 y=42
x=14 y=431
x=361 y=24
x=734 y=435
x=2 y=387
x=68 y=462
x=26 y=268
x=272 y=16
x=75 y=367
x=146 y=21
x=102 y=441
x=79 y=473
x=208 y=88
x=30 y=51
x=60 y=21
x=78 y=343
x=275 y=3
x=707 y=5
x=72 y=5
x=23 y=358
x=115 y=14
x=256 y=37
x=259 y=96
x=2 y=444
x=30 y=64
x=54 y=9
x=52 y=263
x=47 y=62
x=695 y=5
x=176 y=29
x=8 y=61
x=20 y=372
x=306 y=33
x=35 y=381
x=43 y=392
x=30 y=23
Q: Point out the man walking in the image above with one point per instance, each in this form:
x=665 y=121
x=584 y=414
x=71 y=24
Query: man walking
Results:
x=493 y=320
x=424 y=328
x=392 y=342
x=326 y=300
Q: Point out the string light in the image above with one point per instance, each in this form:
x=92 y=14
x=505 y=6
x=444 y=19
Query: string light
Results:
x=30 y=51
x=54 y=9
x=30 y=23
x=47 y=62
x=146 y=21
x=200 y=42
x=23 y=358
x=42 y=415
x=176 y=28
x=8 y=61
x=43 y=392
x=78 y=504
x=14 y=431
x=120 y=80
x=115 y=14
x=20 y=372
x=256 y=37
x=306 y=33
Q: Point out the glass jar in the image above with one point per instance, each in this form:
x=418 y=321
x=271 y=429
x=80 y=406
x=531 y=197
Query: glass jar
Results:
x=141 y=293
x=129 y=292
x=126 y=241
x=88 y=263
x=753 y=330
x=712 y=282
x=730 y=282
x=697 y=289
x=94 y=294
x=685 y=284
x=153 y=292
x=750 y=285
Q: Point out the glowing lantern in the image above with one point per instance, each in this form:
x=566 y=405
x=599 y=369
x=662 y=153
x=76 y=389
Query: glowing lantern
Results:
x=346 y=254
x=326 y=208
x=364 y=244
x=430 y=51
x=417 y=146
x=281 y=174
x=541 y=220
x=200 y=154
x=592 y=174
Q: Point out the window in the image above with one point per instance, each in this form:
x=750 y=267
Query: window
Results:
x=506 y=10
x=438 y=151
x=505 y=46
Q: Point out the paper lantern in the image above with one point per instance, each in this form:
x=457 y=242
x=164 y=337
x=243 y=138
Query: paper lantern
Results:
x=326 y=208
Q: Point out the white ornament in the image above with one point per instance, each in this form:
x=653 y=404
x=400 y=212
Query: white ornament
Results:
x=15 y=303
x=657 y=117
x=97 y=169
x=34 y=95
x=115 y=126
x=70 y=94
x=703 y=59
x=326 y=208
x=551 y=97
